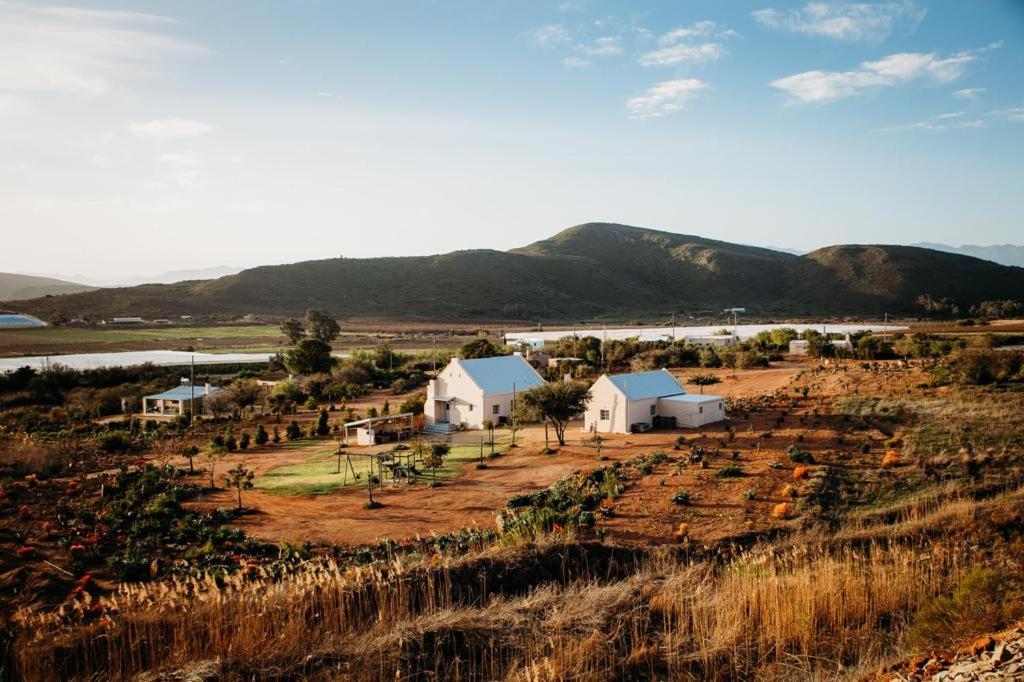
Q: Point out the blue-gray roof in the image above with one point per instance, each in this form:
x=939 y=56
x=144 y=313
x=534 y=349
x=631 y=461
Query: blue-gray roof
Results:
x=643 y=385
x=497 y=375
x=182 y=393
x=693 y=398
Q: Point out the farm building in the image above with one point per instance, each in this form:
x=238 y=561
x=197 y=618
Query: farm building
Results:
x=799 y=347
x=628 y=403
x=178 y=400
x=470 y=392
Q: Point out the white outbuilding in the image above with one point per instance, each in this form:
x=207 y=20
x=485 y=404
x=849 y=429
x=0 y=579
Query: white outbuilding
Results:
x=630 y=403
x=469 y=392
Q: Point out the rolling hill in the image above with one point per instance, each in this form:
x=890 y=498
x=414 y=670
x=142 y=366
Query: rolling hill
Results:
x=590 y=271
x=15 y=287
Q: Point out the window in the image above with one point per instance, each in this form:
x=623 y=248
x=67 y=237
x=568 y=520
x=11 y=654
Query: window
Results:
x=720 y=408
x=471 y=407
x=652 y=410
x=605 y=416
x=701 y=409
x=494 y=409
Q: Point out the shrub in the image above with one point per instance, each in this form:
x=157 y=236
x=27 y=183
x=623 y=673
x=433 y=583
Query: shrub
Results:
x=682 y=498
x=978 y=604
x=118 y=443
x=293 y=432
x=261 y=435
x=730 y=471
x=243 y=441
x=799 y=456
x=277 y=435
x=230 y=444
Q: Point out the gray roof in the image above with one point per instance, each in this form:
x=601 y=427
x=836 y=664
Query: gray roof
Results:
x=643 y=385
x=693 y=398
x=182 y=393
x=500 y=374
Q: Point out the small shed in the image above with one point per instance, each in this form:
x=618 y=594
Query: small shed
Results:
x=178 y=400
x=383 y=429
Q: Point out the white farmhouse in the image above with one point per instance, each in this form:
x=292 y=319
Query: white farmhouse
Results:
x=627 y=403
x=470 y=392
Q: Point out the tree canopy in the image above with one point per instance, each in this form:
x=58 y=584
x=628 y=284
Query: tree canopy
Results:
x=478 y=348
x=558 y=402
x=309 y=356
x=321 y=326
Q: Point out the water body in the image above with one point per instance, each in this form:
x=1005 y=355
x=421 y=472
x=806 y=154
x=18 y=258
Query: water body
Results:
x=162 y=358
x=743 y=331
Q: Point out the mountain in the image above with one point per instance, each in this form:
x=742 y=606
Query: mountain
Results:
x=15 y=287
x=1004 y=254
x=591 y=271
x=169 y=277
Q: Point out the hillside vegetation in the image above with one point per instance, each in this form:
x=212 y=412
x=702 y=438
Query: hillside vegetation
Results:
x=596 y=270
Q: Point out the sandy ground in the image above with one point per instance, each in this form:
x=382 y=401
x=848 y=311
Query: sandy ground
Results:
x=476 y=495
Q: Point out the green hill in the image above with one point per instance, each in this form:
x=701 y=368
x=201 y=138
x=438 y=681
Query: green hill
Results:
x=596 y=270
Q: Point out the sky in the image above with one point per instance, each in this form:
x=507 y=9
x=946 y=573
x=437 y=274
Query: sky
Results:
x=142 y=137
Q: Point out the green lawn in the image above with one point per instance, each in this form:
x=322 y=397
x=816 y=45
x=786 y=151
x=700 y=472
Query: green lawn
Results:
x=318 y=474
x=73 y=335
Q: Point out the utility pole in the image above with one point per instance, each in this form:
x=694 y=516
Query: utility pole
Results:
x=192 y=387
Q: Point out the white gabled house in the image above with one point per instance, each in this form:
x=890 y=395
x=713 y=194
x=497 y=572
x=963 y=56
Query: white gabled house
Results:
x=470 y=392
x=626 y=403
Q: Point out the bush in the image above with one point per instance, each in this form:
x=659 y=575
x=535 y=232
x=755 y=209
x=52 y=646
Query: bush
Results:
x=118 y=443
x=682 y=498
x=730 y=471
x=980 y=603
x=243 y=441
x=261 y=435
x=230 y=444
x=799 y=456
x=277 y=435
x=293 y=432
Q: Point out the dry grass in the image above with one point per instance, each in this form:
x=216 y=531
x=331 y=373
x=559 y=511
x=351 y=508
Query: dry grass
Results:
x=555 y=612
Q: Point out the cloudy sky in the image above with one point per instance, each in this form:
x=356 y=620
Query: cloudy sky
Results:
x=150 y=136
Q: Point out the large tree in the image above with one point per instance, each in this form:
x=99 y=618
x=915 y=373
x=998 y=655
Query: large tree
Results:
x=558 y=403
x=309 y=356
x=294 y=330
x=478 y=348
x=320 y=325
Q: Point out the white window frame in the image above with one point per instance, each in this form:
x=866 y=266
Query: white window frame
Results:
x=605 y=415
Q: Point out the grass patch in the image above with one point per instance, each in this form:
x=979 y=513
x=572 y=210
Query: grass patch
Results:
x=318 y=475
x=73 y=335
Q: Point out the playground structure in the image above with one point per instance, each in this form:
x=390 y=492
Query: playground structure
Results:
x=391 y=428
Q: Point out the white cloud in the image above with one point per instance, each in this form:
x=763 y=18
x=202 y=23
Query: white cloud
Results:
x=972 y=94
x=1012 y=114
x=695 y=43
x=550 y=35
x=844 y=21
x=181 y=159
x=575 y=62
x=606 y=46
x=817 y=87
x=169 y=129
x=80 y=51
x=675 y=54
x=572 y=5
x=948 y=121
x=664 y=98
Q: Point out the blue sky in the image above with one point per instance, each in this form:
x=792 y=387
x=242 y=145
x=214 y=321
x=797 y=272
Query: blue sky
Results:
x=150 y=136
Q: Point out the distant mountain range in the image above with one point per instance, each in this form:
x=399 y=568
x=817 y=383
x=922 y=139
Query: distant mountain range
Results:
x=15 y=287
x=169 y=277
x=1004 y=254
x=588 y=272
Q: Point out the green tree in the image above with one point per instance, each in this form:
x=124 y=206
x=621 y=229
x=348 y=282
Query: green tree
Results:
x=190 y=452
x=309 y=356
x=294 y=330
x=293 y=432
x=478 y=348
x=240 y=479
x=261 y=435
x=322 y=427
x=277 y=435
x=243 y=441
x=703 y=380
x=558 y=403
x=434 y=459
x=321 y=326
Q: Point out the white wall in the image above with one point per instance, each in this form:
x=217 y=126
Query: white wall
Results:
x=468 y=404
x=604 y=395
x=692 y=415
